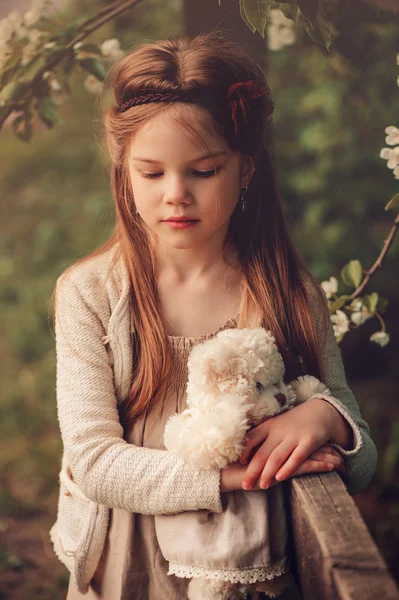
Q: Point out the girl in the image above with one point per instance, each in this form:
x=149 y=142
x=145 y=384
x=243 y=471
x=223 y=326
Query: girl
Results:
x=188 y=138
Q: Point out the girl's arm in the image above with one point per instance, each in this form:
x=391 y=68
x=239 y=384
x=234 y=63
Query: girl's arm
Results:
x=288 y=439
x=106 y=468
x=361 y=454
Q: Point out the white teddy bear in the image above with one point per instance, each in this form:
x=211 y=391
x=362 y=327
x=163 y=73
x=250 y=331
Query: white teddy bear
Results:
x=235 y=381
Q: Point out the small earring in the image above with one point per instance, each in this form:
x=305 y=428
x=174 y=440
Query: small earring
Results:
x=242 y=196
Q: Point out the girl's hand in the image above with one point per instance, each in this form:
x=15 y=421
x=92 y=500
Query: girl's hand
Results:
x=325 y=458
x=286 y=442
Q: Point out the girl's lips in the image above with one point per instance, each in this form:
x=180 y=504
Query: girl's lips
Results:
x=180 y=224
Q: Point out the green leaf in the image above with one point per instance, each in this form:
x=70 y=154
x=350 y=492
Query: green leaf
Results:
x=290 y=12
x=382 y=305
x=351 y=273
x=371 y=301
x=338 y=303
x=13 y=91
x=22 y=127
x=93 y=66
x=255 y=14
x=393 y=203
x=10 y=67
x=245 y=18
x=309 y=10
x=47 y=111
x=323 y=31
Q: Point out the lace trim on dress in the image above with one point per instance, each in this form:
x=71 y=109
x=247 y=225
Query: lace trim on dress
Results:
x=250 y=575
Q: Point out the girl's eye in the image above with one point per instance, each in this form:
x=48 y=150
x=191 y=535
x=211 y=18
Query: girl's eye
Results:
x=197 y=173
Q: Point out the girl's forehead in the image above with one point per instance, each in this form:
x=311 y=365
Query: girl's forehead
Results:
x=192 y=131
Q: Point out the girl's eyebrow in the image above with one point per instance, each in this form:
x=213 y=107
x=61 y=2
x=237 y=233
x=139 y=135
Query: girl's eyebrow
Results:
x=149 y=160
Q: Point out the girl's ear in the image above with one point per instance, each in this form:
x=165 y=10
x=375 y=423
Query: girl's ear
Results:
x=247 y=169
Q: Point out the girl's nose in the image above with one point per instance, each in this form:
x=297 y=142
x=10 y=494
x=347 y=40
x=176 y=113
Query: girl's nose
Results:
x=177 y=191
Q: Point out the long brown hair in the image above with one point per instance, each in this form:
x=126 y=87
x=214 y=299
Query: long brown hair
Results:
x=273 y=273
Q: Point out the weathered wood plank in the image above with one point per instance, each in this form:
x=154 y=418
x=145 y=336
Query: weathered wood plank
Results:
x=336 y=557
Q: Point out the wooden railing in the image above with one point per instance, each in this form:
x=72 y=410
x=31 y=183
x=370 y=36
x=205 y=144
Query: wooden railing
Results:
x=334 y=555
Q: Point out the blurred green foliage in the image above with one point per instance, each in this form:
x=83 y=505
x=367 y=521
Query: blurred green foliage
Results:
x=56 y=206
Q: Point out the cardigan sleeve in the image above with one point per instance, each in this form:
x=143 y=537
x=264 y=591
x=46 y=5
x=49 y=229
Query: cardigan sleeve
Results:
x=106 y=468
x=360 y=461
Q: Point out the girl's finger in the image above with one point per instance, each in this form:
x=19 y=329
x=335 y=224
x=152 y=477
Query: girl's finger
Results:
x=254 y=437
x=334 y=457
x=312 y=466
x=265 y=458
x=275 y=461
x=326 y=457
x=254 y=469
x=299 y=455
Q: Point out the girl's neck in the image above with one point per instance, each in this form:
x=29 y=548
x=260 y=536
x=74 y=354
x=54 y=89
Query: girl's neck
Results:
x=204 y=269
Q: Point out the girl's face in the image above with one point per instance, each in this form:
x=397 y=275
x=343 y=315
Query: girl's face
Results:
x=172 y=175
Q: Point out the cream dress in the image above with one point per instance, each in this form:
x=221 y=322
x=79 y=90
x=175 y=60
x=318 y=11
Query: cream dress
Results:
x=132 y=566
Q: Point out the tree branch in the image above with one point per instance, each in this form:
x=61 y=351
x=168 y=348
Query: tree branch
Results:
x=378 y=262
x=90 y=25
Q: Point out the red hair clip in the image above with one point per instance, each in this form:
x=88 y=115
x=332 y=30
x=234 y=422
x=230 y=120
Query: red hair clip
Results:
x=239 y=94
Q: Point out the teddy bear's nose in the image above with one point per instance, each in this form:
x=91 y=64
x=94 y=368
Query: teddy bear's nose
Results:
x=281 y=399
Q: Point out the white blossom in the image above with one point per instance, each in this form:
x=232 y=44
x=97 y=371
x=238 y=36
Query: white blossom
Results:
x=393 y=135
x=36 y=11
x=273 y=39
x=277 y=17
x=396 y=172
x=330 y=287
x=55 y=85
x=280 y=30
x=6 y=30
x=340 y=323
x=380 y=337
x=10 y=25
x=287 y=35
x=111 y=49
x=356 y=304
x=392 y=155
x=360 y=312
x=92 y=84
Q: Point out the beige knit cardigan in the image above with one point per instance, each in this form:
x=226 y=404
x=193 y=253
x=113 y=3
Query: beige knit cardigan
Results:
x=99 y=469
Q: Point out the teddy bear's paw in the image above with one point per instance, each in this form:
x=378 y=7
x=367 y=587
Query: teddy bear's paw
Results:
x=213 y=589
x=307 y=386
